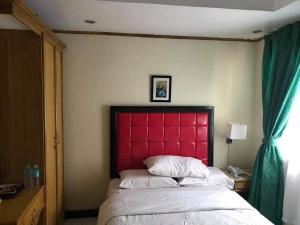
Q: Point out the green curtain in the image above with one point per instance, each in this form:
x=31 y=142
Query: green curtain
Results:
x=280 y=81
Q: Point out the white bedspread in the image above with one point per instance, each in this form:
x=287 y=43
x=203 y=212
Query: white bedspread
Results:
x=182 y=206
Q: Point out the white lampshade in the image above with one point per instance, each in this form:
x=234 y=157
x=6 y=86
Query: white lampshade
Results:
x=236 y=131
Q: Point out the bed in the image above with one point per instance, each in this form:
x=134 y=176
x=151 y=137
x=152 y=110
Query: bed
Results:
x=138 y=132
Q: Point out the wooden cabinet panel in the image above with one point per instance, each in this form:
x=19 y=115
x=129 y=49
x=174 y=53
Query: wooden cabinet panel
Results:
x=25 y=208
x=59 y=135
x=50 y=133
x=21 y=101
x=32 y=215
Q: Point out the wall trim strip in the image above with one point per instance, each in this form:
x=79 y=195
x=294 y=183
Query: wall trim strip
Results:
x=156 y=36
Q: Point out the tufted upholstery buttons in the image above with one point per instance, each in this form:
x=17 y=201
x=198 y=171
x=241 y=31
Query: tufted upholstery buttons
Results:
x=140 y=135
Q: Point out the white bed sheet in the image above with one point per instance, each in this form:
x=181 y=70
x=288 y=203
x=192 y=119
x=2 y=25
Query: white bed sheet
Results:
x=209 y=205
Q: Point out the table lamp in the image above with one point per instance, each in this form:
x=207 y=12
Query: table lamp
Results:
x=235 y=131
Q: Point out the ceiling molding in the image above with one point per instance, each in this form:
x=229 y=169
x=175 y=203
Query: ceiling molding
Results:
x=156 y=36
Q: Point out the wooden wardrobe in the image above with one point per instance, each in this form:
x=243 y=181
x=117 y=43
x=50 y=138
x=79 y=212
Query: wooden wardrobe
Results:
x=31 y=113
x=53 y=132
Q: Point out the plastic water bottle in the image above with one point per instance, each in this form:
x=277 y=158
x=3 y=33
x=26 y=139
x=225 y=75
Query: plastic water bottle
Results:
x=36 y=175
x=27 y=176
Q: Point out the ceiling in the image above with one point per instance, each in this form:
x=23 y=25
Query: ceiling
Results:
x=264 y=5
x=170 y=17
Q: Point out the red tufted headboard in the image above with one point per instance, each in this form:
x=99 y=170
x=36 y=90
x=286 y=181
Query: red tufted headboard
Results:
x=138 y=132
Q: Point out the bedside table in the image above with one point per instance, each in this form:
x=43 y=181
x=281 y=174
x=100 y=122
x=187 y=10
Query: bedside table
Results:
x=241 y=184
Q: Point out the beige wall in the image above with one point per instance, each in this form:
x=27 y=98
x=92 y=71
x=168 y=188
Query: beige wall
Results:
x=257 y=102
x=100 y=71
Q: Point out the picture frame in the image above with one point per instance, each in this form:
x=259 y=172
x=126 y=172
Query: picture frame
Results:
x=161 y=87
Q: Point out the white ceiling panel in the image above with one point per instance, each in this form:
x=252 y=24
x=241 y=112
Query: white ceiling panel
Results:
x=264 y=5
x=163 y=19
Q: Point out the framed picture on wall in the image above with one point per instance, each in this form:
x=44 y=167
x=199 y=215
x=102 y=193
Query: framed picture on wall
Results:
x=161 y=88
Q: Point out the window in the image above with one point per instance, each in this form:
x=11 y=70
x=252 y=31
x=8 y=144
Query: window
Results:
x=289 y=145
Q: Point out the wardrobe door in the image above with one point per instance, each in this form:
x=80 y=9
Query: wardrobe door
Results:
x=50 y=133
x=59 y=134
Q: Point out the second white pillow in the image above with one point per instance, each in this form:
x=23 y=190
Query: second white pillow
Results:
x=139 y=179
x=216 y=177
x=176 y=166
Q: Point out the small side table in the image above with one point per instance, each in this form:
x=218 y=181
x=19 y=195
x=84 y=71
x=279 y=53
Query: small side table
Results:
x=241 y=184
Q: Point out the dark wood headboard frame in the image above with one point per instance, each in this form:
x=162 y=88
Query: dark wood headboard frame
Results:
x=114 y=110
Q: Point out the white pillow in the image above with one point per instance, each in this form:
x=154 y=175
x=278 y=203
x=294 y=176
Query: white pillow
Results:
x=176 y=166
x=137 y=179
x=216 y=177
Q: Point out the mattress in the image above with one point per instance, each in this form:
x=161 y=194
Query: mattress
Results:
x=207 y=205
